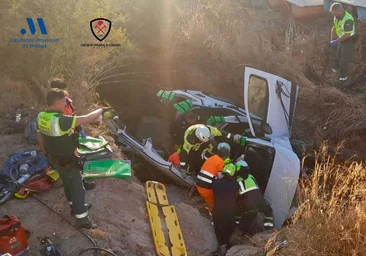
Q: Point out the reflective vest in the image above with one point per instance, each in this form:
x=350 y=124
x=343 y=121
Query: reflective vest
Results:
x=187 y=146
x=339 y=24
x=57 y=142
x=247 y=185
x=209 y=171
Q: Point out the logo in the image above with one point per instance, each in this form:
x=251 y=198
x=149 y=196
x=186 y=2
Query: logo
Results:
x=100 y=28
x=32 y=28
x=33 y=41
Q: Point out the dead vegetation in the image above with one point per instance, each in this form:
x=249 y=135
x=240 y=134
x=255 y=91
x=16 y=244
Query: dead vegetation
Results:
x=331 y=217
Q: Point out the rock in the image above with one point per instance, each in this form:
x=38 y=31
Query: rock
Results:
x=243 y=250
x=198 y=232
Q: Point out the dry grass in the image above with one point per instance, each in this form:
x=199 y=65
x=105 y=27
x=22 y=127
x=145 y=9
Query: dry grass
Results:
x=331 y=219
x=14 y=93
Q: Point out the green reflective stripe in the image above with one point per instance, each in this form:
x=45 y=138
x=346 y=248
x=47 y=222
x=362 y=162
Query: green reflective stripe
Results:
x=220 y=119
x=168 y=95
x=215 y=119
x=179 y=108
x=339 y=25
x=183 y=106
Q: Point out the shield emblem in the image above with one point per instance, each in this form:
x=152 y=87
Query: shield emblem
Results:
x=100 y=28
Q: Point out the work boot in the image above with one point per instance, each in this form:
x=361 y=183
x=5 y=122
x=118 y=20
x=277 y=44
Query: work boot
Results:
x=87 y=205
x=85 y=223
x=88 y=185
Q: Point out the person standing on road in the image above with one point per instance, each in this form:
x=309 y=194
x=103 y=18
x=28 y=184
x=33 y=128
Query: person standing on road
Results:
x=58 y=140
x=70 y=111
x=343 y=37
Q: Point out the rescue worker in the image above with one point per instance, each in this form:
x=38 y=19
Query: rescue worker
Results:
x=253 y=213
x=58 y=141
x=343 y=37
x=198 y=137
x=180 y=125
x=210 y=171
x=70 y=111
x=225 y=192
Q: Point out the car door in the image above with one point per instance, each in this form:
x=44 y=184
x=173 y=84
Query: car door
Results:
x=271 y=99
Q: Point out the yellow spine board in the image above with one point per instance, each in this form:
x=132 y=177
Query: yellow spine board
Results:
x=175 y=233
x=150 y=192
x=161 y=193
x=158 y=234
x=156 y=196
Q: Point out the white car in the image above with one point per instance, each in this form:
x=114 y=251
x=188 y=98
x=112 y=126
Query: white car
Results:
x=269 y=103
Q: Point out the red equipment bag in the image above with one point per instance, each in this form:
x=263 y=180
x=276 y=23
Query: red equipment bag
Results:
x=13 y=237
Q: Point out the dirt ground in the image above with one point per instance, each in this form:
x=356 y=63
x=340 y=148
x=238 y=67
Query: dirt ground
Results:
x=119 y=211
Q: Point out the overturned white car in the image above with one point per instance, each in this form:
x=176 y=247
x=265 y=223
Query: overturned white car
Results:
x=269 y=103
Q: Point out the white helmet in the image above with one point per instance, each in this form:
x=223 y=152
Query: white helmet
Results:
x=242 y=165
x=203 y=133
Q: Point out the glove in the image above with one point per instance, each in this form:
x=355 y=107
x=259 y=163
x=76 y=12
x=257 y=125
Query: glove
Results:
x=82 y=134
x=334 y=43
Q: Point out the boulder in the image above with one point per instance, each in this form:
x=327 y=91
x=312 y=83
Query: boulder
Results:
x=243 y=250
x=198 y=231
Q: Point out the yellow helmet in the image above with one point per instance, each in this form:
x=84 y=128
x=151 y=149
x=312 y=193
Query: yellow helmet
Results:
x=229 y=169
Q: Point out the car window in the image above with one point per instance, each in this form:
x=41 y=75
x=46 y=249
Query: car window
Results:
x=258 y=97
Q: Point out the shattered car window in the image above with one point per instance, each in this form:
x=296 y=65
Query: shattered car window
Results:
x=258 y=97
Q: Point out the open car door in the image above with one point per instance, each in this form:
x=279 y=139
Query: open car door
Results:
x=271 y=99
